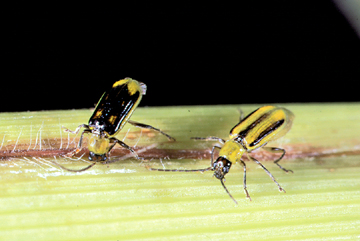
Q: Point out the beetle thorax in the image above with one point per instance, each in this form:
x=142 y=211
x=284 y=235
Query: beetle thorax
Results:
x=232 y=151
x=98 y=144
x=96 y=127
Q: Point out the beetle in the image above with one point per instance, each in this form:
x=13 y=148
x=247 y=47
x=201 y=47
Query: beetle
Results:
x=111 y=113
x=253 y=132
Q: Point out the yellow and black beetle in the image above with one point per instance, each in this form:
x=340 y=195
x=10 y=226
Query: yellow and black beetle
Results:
x=112 y=112
x=265 y=124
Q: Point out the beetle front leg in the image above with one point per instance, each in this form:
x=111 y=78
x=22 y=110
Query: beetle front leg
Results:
x=212 y=155
x=77 y=128
x=79 y=146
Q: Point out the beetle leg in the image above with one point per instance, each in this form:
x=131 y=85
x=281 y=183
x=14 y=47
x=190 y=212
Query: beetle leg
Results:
x=278 y=150
x=77 y=129
x=209 y=138
x=266 y=170
x=145 y=126
x=79 y=146
x=212 y=155
x=114 y=140
x=241 y=114
x=245 y=189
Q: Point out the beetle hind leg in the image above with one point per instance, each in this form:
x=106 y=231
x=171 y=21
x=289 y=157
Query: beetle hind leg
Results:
x=145 y=126
x=278 y=150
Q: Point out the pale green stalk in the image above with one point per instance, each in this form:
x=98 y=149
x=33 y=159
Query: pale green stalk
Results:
x=125 y=201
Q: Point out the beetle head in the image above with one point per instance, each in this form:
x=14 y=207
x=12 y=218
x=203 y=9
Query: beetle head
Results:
x=221 y=167
x=96 y=157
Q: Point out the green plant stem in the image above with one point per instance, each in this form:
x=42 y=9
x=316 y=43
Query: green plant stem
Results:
x=125 y=201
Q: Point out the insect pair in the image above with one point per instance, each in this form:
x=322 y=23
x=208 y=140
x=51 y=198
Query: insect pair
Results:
x=116 y=106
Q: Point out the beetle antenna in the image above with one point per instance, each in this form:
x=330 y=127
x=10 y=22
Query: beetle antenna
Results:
x=221 y=180
x=72 y=170
x=177 y=170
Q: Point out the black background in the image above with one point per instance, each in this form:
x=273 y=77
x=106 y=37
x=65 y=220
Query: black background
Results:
x=276 y=51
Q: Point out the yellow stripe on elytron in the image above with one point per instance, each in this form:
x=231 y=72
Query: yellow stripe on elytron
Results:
x=112 y=119
x=249 y=120
x=274 y=116
x=98 y=114
x=263 y=118
x=289 y=118
x=133 y=85
x=121 y=82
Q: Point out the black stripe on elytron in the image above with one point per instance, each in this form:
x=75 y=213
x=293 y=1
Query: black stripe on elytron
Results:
x=244 y=133
x=243 y=120
x=267 y=131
